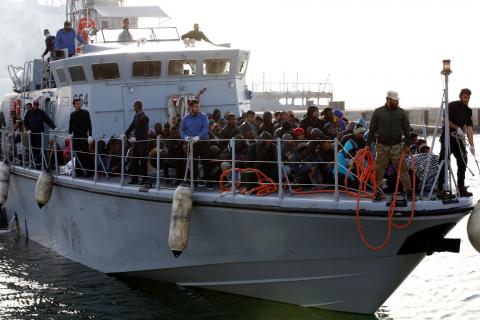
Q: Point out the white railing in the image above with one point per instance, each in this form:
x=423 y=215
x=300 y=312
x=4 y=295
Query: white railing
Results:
x=32 y=155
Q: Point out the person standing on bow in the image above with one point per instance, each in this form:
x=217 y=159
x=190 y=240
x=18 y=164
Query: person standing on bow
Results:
x=460 y=118
x=33 y=122
x=140 y=128
x=80 y=129
x=194 y=129
x=387 y=125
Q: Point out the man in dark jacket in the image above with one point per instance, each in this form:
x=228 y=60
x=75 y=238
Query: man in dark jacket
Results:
x=249 y=124
x=267 y=124
x=196 y=34
x=311 y=119
x=80 y=129
x=230 y=130
x=265 y=152
x=139 y=127
x=388 y=124
x=33 y=122
x=49 y=44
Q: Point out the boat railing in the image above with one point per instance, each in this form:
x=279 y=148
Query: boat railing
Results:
x=112 y=160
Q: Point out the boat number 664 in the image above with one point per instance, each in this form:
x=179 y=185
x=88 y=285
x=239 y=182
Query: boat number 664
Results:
x=83 y=98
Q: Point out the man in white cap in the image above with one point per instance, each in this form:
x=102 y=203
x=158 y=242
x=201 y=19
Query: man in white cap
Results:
x=389 y=124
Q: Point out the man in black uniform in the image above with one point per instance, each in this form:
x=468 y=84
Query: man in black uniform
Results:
x=140 y=142
x=460 y=118
x=33 y=122
x=80 y=129
x=49 y=44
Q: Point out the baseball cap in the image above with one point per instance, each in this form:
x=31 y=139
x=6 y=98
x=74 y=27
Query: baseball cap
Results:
x=393 y=95
x=360 y=130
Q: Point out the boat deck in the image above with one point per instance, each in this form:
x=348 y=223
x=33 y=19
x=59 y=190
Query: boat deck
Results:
x=285 y=201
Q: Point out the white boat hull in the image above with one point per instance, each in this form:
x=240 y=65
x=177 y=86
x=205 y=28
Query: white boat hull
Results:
x=312 y=260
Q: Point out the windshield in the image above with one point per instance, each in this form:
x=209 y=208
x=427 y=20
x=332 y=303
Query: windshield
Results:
x=135 y=34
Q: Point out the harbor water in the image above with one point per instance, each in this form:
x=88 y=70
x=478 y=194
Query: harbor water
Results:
x=36 y=283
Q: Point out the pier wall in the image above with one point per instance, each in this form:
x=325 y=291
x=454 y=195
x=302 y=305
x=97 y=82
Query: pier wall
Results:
x=417 y=116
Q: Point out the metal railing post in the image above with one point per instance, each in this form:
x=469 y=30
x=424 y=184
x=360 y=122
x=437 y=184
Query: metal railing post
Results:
x=442 y=163
x=3 y=145
x=23 y=150
x=122 y=174
x=12 y=144
x=42 y=153
x=336 y=194
x=158 y=163
x=279 y=168
x=55 y=155
x=190 y=158
x=72 y=158
x=95 y=169
x=30 y=152
x=233 y=178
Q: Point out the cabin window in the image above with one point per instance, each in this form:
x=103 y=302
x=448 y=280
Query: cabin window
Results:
x=242 y=67
x=146 y=69
x=105 y=71
x=77 y=74
x=216 y=66
x=61 y=76
x=178 y=68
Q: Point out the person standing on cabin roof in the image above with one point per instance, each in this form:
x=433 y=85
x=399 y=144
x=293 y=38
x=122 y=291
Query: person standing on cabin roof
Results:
x=66 y=38
x=80 y=129
x=49 y=44
x=139 y=127
x=194 y=128
x=388 y=123
x=460 y=118
x=196 y=34
x=125 y=35
x=34 y=120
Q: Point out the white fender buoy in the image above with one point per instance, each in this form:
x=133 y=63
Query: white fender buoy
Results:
x=473 y=227
x=4 y=182
x=180 y=220
x=43 y=189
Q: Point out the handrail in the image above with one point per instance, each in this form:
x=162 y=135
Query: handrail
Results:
x=284 y=183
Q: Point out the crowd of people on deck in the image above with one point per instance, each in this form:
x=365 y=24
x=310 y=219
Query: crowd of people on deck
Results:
x=306 y=146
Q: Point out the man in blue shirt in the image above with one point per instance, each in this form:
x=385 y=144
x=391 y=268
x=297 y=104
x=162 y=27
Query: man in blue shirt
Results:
x=66 y=37
x=194 y=129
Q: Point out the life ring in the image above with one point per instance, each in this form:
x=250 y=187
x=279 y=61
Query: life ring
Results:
x=17 y=105
x=172 y=112
x=84 y=25
x=178 y=107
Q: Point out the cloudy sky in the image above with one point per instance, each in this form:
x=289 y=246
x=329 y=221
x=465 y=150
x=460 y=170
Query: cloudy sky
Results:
x=367 y=47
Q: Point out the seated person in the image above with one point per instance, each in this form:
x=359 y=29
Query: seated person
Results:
x=286 y=128
x=331 y=130
x=211 y=167
x=265 y=151
x=421 y=170
x=305 y=173
x=324 y=153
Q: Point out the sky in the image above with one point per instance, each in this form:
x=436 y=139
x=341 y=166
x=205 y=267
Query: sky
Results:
x=367 y=47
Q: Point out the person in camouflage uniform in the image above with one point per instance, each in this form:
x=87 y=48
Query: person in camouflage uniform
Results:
x=388 y=125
